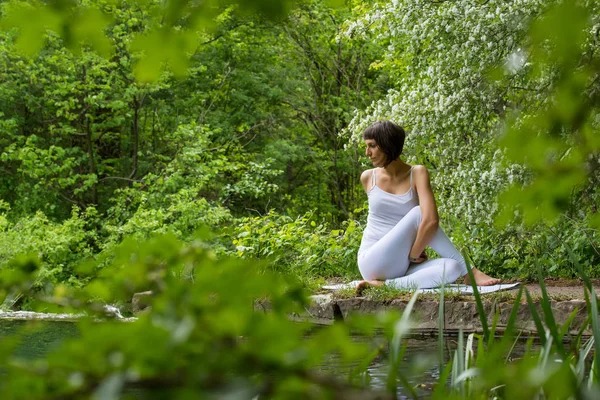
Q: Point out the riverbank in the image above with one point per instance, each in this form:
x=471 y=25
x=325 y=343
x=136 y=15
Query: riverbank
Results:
x=459 y=311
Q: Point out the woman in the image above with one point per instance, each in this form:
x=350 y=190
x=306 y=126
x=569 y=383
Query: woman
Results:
x=403 y=220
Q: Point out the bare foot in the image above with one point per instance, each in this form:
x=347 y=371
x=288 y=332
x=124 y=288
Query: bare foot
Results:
x=481 y=279
x=362 y=285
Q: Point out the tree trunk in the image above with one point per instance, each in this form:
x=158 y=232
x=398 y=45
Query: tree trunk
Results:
x=92 y=166
x=135 y=137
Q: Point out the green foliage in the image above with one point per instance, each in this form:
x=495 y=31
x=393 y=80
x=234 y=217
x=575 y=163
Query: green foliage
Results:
x=492 y=103
x=513 y=251
x=302 y=246
x=172 y=31
x=77 y=125
x=58 y=246
x=253 y=124
x=202 y=336
x=557 y=139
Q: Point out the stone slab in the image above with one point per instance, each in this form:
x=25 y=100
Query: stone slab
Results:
x=457 y=314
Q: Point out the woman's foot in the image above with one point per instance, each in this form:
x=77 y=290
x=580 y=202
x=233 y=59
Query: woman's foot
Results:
x=362 y=285
x=481 y=279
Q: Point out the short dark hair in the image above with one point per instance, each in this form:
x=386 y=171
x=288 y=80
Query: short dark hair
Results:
x=388 y=136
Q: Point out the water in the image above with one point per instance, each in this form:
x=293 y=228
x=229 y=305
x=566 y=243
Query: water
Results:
x=419 y=366
x=39 y=337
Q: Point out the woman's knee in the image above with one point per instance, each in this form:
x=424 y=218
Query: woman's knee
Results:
x=414 y=210
x=368 y=270
x=415 y=214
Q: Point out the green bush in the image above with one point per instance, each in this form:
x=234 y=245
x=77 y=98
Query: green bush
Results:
x=300 y=245
x=59 y=246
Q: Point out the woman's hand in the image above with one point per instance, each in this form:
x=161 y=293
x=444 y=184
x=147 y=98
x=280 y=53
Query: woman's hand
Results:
x=421 y=259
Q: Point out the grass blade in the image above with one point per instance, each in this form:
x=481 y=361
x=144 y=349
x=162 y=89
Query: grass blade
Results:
x=455 y=373
x=468 y=362
x=546 y=350
x=564 y=329
x=494 y=326
x=510 y=324
x=582 y=274
x=512 y=348
x=480 y=352
x=583 y=354
x=405 y=383
x=549 y=315
x=595 y=331
x=441 y=324
x=459 y=364
x=440 y=391
x=401 y=328
x=469 y=351
x=536 y=318
x=362 y=367
x=478 y=302
x=507 y=338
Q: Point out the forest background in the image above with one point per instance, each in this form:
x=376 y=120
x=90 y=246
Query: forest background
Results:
x=129 y=121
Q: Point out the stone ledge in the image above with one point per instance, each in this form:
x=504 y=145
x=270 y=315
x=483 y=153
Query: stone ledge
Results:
x=30 y=315
x=457 y=314
x=109 y=311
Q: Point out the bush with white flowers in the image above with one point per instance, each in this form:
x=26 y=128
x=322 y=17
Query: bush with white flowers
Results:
x=459 y=68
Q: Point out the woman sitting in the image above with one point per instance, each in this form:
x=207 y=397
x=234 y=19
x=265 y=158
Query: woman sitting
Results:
x=403 y=220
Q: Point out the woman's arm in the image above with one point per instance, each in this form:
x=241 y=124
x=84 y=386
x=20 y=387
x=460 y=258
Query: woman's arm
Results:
x=429 y=221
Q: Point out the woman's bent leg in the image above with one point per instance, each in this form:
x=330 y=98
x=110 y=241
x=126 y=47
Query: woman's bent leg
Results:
x=388 y=258
x=429 y=274
x=442 y=245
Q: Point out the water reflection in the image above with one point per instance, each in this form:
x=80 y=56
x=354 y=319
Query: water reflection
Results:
x=420 y=364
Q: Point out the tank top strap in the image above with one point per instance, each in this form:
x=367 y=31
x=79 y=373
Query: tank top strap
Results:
x=411 y=180
x=373 y=179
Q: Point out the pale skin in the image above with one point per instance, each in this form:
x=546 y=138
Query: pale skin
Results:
x=395 y=178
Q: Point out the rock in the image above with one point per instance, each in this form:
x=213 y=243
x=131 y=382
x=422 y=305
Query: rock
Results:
x=464 y=314
x=425 y=314
x=562 y=311
x=523 y=320
x=323 y=309
x=141 y=302
x=112 y=311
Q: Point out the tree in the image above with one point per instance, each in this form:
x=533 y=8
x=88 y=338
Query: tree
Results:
x=459 y=70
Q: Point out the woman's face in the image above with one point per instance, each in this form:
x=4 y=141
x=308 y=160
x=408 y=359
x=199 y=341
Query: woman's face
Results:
x=374 y=153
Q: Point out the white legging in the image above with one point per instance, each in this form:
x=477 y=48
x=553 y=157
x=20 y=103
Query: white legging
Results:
x=388 y=258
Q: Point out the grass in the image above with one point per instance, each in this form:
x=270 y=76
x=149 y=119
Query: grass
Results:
x=482 y=365
x=387 y=293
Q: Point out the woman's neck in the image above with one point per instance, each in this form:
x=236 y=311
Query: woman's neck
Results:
x=397 y=168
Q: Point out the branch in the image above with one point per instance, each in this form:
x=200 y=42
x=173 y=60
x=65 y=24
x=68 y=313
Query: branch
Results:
x=120 y=178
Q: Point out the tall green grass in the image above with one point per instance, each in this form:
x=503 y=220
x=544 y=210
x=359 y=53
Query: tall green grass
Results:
x=482 y=365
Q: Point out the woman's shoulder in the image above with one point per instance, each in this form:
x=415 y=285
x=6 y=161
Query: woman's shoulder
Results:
x=419 y=168
x=366 y=175
x=367 y=179
x=420 y=172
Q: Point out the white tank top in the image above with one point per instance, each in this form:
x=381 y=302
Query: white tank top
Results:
x=385 y=210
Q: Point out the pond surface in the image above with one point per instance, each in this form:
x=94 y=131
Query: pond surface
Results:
x=419 y=366
x=40 y=336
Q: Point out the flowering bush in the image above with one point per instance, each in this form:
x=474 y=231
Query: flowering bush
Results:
x=459 y=68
